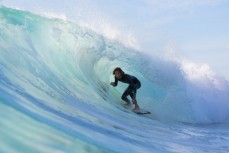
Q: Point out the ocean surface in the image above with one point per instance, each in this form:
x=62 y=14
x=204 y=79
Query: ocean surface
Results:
x=55 y=94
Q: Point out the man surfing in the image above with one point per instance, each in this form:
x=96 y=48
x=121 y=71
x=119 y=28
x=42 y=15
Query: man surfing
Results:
x=131 y=90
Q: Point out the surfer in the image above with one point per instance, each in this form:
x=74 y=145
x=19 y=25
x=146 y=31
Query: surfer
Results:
x=131 y=90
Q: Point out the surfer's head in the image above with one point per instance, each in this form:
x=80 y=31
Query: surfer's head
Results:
x=118 y=72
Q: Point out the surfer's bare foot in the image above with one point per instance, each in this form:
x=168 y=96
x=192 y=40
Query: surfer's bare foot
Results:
x=136 y=104
x=134 y=101
x=136 y=107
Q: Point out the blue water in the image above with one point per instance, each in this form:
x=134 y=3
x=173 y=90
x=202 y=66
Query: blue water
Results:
x=55 y=94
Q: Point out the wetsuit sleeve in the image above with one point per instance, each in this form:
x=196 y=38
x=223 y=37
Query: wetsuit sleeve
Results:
x=116 y=82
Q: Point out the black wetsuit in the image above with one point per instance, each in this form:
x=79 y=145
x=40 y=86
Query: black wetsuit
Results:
x=131 y=90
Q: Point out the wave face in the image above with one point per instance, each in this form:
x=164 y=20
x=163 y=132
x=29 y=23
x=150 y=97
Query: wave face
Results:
x=55 y=93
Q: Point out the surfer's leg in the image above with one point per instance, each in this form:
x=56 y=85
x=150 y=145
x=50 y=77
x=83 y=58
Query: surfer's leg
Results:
x=125 y=94
x=133 y=92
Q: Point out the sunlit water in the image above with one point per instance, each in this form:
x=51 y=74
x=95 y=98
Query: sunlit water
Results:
x=55 y=94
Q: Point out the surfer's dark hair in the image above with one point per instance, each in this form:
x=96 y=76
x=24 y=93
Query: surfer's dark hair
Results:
x=118 y=69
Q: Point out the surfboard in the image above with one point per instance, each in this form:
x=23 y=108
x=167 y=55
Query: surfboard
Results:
x=141 y=111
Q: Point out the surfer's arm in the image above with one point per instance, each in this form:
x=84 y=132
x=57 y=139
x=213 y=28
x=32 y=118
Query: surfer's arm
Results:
x=115 y=83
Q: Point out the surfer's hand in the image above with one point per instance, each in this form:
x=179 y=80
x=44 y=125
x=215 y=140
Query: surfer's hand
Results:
x=112 y=83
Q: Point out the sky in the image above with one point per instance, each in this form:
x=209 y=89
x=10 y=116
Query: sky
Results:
x=194 y=29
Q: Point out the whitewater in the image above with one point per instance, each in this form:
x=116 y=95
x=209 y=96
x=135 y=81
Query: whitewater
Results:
x=55 y=94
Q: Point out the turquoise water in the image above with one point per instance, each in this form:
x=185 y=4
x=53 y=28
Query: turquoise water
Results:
x=55 y=94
